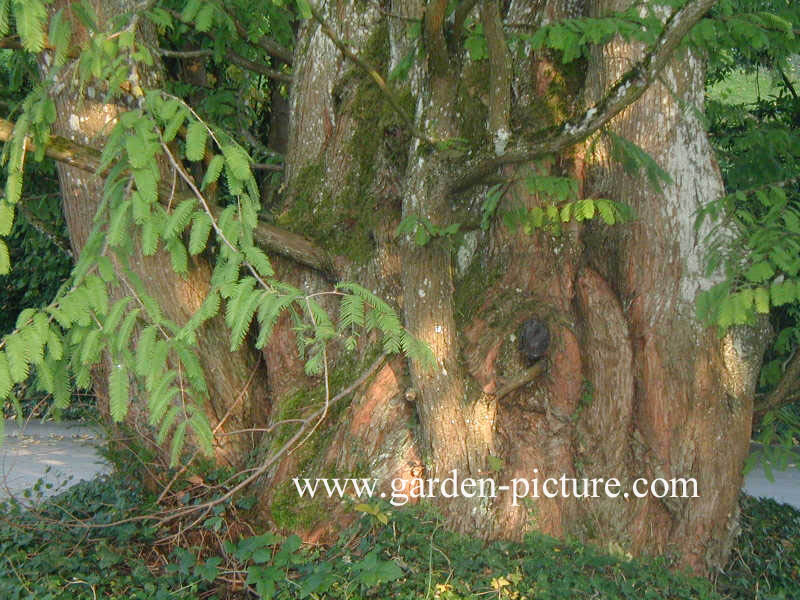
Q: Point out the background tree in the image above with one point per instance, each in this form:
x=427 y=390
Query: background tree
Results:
x=475 y=165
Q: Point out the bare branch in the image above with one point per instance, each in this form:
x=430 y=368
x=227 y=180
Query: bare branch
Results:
x=267 y=44
x=625 y=92
x=257 y=67
x=266 y=167
x=312 y=421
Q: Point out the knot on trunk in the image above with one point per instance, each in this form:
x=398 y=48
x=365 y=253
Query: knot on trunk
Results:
x=534 y=339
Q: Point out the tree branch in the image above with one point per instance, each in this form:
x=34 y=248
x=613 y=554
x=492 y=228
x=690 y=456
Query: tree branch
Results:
x=784 y=392
x=234 y=58
x=522 y=378
x=625 y=92
x=267 y=44
x=461 y=14
x=11 y=42
x=270 y=46
x=499 y=74
x=270 y=237
x=433 y=27
x=373 y=74
x=257 y=68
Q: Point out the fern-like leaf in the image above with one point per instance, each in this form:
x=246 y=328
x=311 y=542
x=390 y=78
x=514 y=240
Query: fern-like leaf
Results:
x=5 y=259
x=196 y=138
x=144 y=349
x=115 y=315
x=179 y=218
x=166 y=423
x=62 y=392
x=178 y=256
x=60 y=37
x=259 y=261
x=177 y=444
x=193 y=368
x=30 y=17
x=18 y=360
x=213 y=171
x=123 y=337
x=198 y=238
x=6 y=218
x=4 y=22
x=237 y=161
x=119 y=392
x=6 y=382
x=202 y=430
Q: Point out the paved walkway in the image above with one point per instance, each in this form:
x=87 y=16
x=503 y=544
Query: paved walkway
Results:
x=61 y=454
x=71 y=450
x=786 y=485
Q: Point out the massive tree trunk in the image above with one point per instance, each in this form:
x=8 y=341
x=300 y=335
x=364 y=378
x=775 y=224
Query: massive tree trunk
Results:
x=633 y=386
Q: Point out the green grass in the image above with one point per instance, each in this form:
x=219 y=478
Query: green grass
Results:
x=744 y=88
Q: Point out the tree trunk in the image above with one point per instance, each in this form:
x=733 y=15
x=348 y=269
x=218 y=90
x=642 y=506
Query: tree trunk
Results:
x=631 y=386
x=236 y=382
x=634 y=386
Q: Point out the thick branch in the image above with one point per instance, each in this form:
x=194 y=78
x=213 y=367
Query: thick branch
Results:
x=499 y=74
x=433 y=25
x=624 y=93
x=11 y=43
x=269 y=237
x=373 y=74
x=269 y=45
x=60 y=149
x=461 y=14
x=234 y=58
x=784 y=392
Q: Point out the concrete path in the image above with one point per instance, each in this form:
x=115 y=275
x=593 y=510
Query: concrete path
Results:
x=53 y=452
x=785 y=488
x=71 y=450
